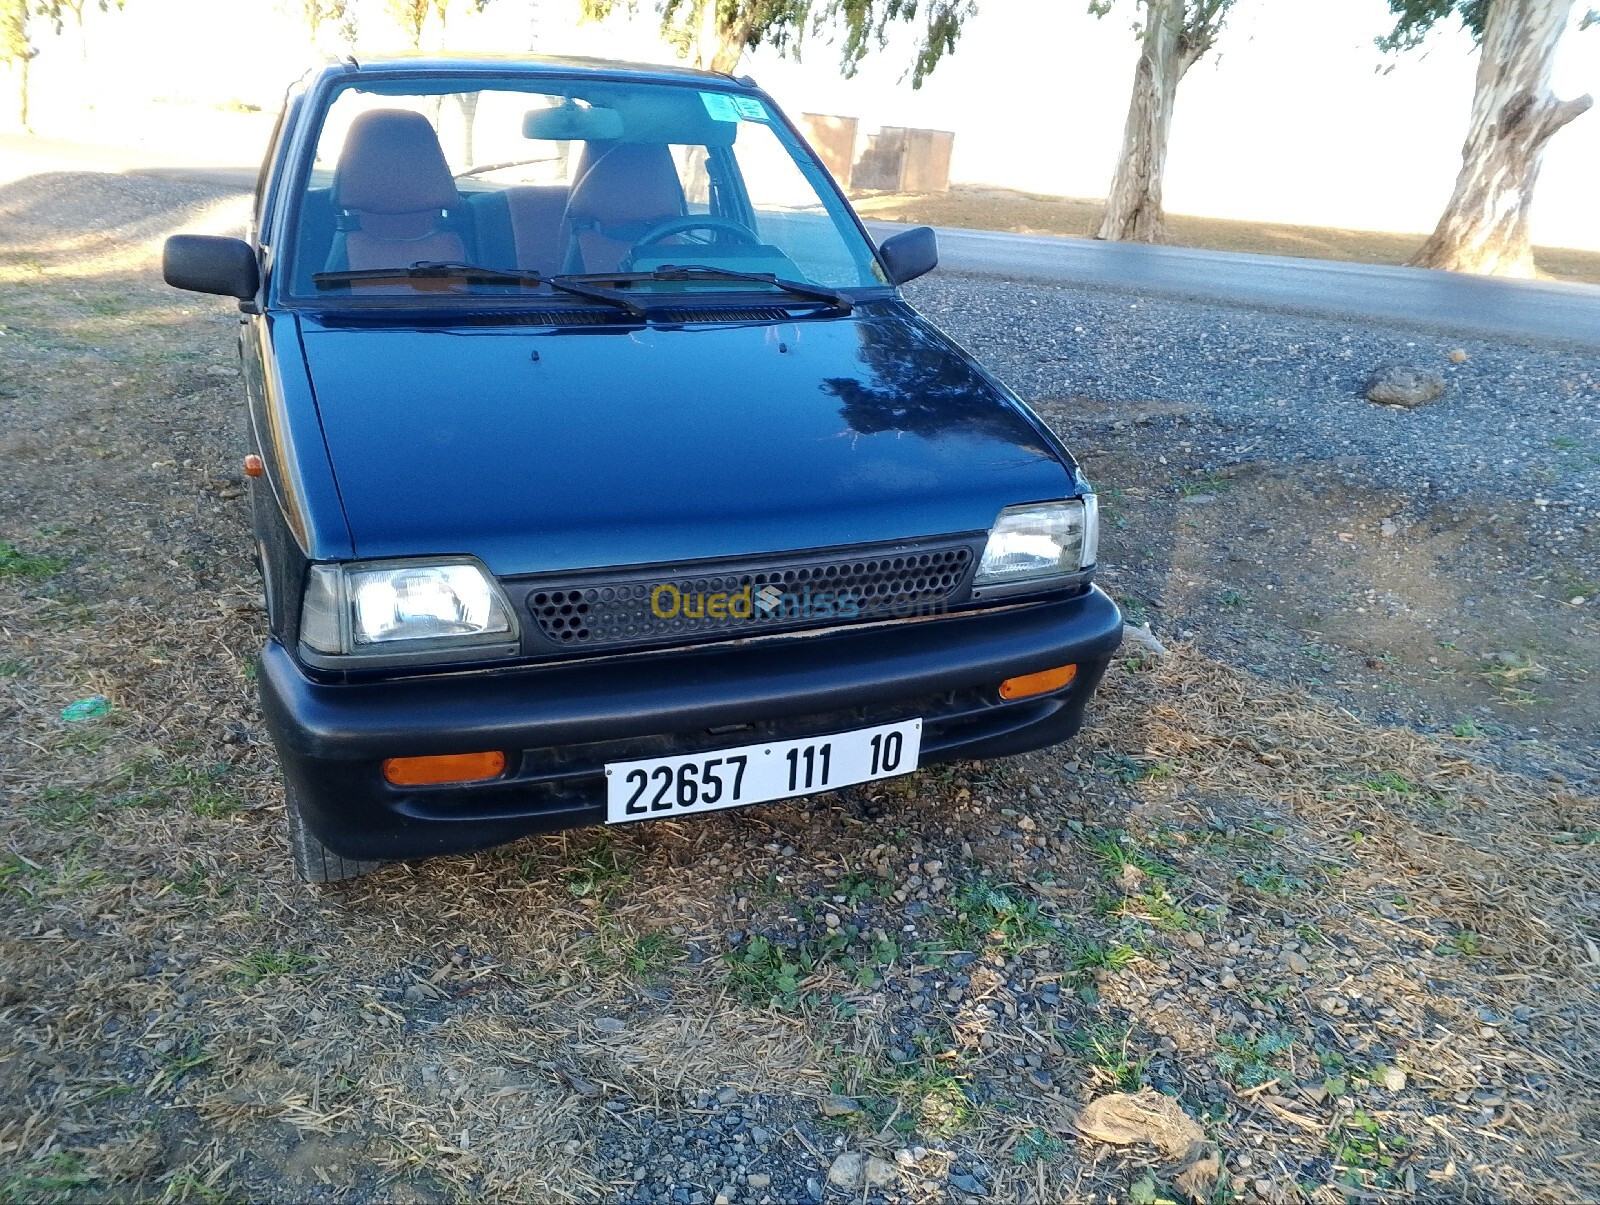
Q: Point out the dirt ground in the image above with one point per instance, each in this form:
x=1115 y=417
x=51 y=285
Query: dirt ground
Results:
x=1361 y=957
x=983 y=208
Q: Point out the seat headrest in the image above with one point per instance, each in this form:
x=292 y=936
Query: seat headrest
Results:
x=626 y=182
x=392 y=163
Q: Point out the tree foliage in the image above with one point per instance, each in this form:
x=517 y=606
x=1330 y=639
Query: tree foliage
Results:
x=861 y=26
x=1415 y=19
x=412 y=15
x=315 y=14
x=14 y=44
x=1201 y=22
x=56 y=11
x=865 y=26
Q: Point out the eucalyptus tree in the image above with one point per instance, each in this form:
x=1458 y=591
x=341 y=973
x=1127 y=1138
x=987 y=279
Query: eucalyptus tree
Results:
x=1484 y=227
x=1176 y=34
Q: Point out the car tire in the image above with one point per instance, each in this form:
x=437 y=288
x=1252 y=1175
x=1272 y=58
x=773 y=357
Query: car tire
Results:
x=314 y=862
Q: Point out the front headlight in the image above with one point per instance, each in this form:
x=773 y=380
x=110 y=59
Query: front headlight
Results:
x=386 y=608
x=1043 y=540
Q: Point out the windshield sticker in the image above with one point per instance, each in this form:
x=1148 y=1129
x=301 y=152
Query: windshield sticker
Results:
x=722 y=107
x=719 y=106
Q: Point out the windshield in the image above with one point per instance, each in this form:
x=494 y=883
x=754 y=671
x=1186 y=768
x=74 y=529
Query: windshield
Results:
x=563 y=178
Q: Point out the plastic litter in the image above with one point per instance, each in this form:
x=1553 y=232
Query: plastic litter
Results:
x=91 y=708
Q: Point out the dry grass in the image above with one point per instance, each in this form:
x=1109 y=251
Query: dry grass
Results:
x=980 y=208
x=181 y=1020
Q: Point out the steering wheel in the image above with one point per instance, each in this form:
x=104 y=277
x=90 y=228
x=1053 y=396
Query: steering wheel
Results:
x=698 y=221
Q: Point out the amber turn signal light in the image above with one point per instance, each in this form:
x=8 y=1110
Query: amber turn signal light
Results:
x=253 y=466
x=449 y=767
x=1040 y=683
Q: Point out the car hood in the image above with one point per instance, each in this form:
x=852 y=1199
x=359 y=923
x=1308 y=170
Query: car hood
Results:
x=540 y=449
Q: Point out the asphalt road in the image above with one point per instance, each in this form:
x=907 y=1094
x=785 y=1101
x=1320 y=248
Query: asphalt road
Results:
x=1472 y=305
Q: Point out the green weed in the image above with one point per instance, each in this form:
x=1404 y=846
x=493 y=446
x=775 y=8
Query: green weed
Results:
x=1358 y=1144
x=599 y=870
x=1272 y=880
x=1037 y=1146
x=1108 y=1048
x=1093 y=955
x=58 y=1176
x=1252 y=1061
x=999 y=917
x=1118 y=851
x=1390 y=780
x=264 y=963
x=16 y=563
x=921 y=1100
x=64 y=807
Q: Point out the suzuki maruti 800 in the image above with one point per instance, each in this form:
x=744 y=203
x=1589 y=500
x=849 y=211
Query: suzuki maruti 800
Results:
x=600 y=473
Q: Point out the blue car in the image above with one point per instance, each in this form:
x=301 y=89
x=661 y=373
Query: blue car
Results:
x=601 y=474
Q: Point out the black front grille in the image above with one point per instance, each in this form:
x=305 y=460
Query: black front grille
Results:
x=606 y=609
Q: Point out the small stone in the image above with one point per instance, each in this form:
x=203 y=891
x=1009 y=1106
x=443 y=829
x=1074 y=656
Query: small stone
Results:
x=1040 y=1079
x=1228 y=979
x=880 y=1173
x=727 y=1096
x=905 y=1158
x=1457 y=355
x=1194 y=938
x=1391 y=1078
x=848 y=1170
x=968 y=1185
x=757 y=1180
x=724 y=1198
x=832 y=920
x=838 y=1106
x=1388 y=528
x=1403 y=385
x=610 y=1024
x=1296 y=962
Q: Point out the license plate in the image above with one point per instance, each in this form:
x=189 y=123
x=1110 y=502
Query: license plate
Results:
x=731 y=778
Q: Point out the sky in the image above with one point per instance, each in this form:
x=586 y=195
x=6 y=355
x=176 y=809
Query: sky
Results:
x=1296 y=117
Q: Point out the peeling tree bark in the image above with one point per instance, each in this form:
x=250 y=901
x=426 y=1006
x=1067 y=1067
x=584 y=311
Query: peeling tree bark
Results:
x=1176 y=35
x=1485 y=225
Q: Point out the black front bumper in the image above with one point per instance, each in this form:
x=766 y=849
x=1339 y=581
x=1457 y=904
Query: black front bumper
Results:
x=560 y=723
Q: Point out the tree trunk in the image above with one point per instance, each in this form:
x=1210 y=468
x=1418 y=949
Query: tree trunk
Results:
x=1133 y=206
x=22 y=86
x=1485 y=225
x=717 y=46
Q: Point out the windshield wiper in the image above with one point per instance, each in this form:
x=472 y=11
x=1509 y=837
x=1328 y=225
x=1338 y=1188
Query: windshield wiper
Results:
x=796 y=288
x=435 y=269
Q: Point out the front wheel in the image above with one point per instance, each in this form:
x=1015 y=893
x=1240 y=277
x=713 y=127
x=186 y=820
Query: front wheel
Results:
x=313 y=861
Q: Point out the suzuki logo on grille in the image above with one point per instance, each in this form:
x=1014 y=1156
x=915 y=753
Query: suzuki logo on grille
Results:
x=768 y=601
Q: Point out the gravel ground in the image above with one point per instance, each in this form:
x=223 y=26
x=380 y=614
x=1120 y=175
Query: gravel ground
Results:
x=1516 y=421
x=1358 y=952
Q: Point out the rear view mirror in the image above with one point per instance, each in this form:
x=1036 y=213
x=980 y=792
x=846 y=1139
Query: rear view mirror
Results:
x=204 y=263
x=911 y=254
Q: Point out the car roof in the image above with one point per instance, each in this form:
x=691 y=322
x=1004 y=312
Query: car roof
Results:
x=530 y=65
